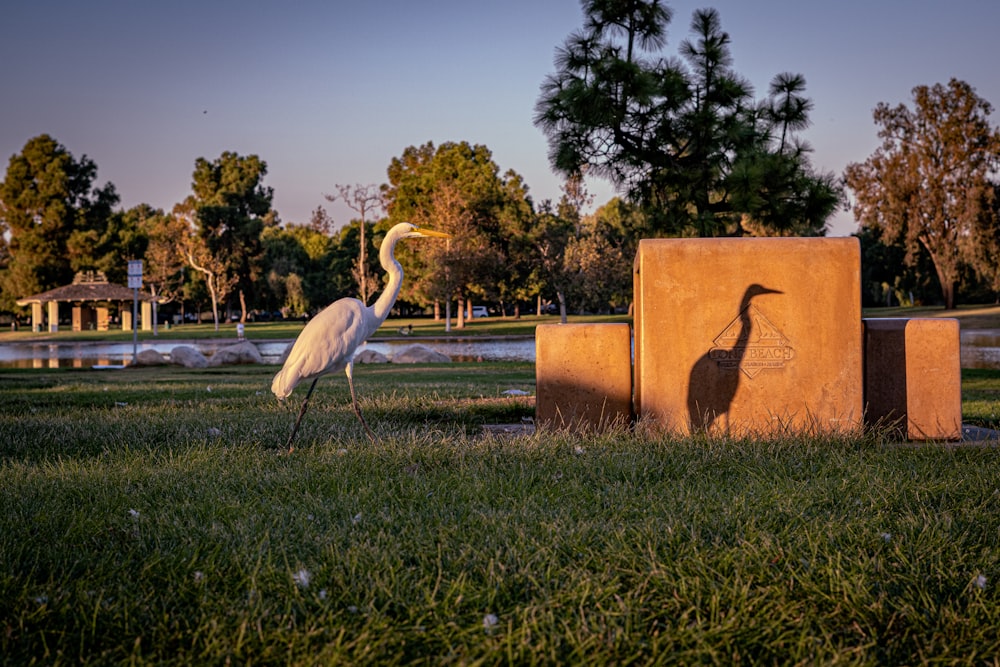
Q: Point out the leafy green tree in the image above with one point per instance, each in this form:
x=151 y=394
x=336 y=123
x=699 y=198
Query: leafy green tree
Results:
x=623 y=223
x=305 y=252
x=517 y=218
x=342 y=268
x=988 y=251
x=212 y=269
x=53 y=216
x=886 y=278
x=231 y=209
x=555 y=233
x=928 y=184
x=602 y=256
x=600 y=271
x=453 y=264
x=366 y=201
x=164 y=271
x=107 y=247
x=4 y=259
x=683 y=137
x=454 y=188
x=552 y=235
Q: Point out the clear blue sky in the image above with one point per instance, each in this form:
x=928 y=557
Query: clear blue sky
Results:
x=329 y=92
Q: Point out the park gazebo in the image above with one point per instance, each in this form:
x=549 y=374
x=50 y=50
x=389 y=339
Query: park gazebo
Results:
x=91 y=297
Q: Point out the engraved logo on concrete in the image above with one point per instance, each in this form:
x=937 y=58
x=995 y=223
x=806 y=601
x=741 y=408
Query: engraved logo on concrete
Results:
x=751 y=343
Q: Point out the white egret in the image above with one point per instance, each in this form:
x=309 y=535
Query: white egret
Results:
x=328 y=342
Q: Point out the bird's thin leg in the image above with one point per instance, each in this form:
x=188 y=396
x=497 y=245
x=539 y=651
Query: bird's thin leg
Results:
x=354 y=401
x=305 y=404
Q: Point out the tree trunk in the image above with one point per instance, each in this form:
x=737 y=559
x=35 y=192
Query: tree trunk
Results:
x=940 y=267
x=362 y=269
x=210 y=281
x=461 y=313
x=215 y=304
x=156 y=317
x=243 y=307
x=947 y=285
x=948 y=290
x=562 y=306
x=447 y=316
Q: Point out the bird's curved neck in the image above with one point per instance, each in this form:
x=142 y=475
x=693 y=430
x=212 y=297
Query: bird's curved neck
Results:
x=387 y=298
x=746 y=322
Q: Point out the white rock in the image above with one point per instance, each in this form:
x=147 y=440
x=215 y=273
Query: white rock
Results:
x=149 y=358
x=370 y=357
x=241 y=353
x=419 y=354
x=188 y=357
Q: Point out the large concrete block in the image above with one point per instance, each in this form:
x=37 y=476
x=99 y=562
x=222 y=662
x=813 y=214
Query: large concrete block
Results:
x=913 y=377
x=583 y=376
x=747 y=337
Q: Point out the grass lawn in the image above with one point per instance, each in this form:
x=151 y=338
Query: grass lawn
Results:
x=970 y=317
x=150 y=517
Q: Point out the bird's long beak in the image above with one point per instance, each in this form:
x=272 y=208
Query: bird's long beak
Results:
x=432 y=233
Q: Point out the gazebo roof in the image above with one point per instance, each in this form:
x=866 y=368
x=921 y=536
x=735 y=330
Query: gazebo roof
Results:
x=87 y=286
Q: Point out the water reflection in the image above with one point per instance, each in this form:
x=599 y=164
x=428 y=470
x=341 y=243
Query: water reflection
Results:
x=87 y=354
x=981 y=349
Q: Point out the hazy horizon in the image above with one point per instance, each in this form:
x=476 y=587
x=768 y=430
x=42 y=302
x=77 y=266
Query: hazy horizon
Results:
x=328 y=94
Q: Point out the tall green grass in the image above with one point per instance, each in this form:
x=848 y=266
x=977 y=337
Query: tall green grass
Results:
x=149 y=516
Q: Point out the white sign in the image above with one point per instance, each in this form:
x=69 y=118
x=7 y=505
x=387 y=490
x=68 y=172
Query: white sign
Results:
x=135 y=274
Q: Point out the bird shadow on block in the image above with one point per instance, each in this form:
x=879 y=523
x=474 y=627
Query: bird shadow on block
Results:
x=716 y=375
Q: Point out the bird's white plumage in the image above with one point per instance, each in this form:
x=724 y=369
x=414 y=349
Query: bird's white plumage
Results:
x=325 y=345
x=328 y=342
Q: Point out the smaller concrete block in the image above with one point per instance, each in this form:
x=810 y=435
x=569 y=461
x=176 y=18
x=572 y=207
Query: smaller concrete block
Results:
x=583 y=376
x=913 y=376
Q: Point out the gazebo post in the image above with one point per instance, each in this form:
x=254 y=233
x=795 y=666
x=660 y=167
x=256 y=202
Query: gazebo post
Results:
x=53 y=316
x=36 y=316
x=103 y=318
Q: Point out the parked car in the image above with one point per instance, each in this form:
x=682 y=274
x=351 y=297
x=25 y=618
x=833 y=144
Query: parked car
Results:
x=480 y=311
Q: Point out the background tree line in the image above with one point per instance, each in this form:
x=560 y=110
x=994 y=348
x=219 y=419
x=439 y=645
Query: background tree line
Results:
x=690 y=149
x=224 y=249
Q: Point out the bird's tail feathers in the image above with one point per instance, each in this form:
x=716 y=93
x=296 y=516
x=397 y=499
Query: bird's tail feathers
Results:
x=283 y=384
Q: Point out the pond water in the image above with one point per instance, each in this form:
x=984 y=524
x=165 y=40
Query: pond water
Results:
x=87 y=354
x=980 y=349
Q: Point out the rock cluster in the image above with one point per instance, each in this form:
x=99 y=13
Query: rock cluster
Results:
x=246 y=352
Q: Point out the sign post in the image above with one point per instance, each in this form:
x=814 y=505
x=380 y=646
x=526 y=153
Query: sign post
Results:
x=135 y=282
